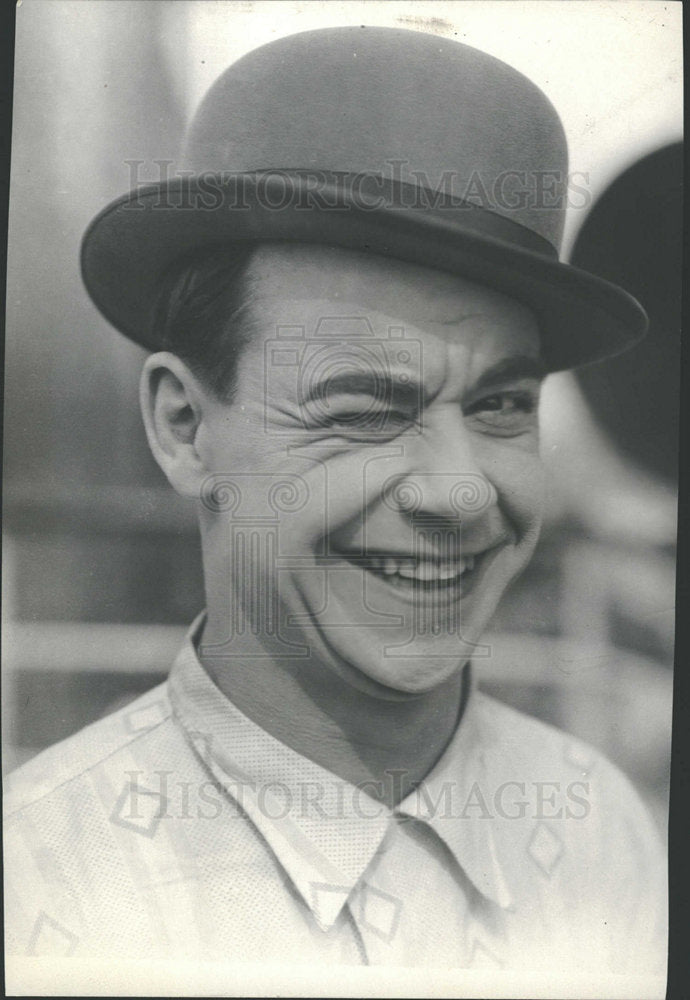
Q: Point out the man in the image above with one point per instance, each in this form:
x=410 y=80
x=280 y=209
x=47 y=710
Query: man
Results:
x=351 y=291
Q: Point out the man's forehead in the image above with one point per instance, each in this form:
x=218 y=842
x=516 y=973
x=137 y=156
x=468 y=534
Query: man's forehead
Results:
x=321 y=312
x=301 y=283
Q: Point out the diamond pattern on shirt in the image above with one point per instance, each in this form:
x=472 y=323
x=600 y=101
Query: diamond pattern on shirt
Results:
x=482 y=957
x=50 y=937
x=139 y=809
x=581 y=756
x=202 y=743
x=545 y=848
x=379 y=912
x=145 y=717
x=327 y=901
x=211 y=884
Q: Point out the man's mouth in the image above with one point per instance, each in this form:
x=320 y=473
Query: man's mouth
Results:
x=435 y=572
x=419 y=575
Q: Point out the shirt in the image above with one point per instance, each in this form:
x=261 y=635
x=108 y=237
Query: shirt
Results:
x=178 y=827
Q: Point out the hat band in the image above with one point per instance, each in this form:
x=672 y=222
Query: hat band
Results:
x=304 y=190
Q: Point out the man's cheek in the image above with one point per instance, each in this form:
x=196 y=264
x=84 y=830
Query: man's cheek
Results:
x=521 y=487
x=344 y=480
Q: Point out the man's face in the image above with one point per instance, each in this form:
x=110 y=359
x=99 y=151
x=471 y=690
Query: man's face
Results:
x=375 y=483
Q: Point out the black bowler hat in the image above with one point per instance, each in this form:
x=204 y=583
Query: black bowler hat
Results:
x=394 y=142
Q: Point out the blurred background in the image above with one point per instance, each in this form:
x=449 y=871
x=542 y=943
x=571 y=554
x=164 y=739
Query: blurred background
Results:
x=101 y=566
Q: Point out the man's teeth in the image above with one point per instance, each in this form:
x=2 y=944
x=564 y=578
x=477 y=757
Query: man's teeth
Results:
x=423 y=570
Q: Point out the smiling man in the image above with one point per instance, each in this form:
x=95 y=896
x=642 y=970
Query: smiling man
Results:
x=345 y=374
x=384 y=602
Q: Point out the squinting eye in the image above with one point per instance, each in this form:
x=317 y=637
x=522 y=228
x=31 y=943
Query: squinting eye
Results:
x=510 y=410
x=364 y=420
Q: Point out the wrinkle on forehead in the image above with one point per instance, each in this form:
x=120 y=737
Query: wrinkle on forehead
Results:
x=300 y=271
x=463 y=324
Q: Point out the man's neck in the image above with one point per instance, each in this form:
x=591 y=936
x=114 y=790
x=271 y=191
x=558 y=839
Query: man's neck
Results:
x=389 y=746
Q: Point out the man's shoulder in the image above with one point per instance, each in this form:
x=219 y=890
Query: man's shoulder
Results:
x=70 y=760
x=514 y=734
x=520 y=747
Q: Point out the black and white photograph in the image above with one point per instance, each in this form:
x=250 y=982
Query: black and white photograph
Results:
x=341 y=438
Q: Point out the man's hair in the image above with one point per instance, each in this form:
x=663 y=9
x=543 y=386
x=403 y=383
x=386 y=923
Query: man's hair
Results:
x=202 y=313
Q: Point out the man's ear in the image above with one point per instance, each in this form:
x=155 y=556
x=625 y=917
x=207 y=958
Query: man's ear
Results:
x=172 y=408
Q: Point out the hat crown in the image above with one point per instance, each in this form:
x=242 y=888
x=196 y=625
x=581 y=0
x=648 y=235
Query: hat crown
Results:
x=410 y=106
x=381 y=120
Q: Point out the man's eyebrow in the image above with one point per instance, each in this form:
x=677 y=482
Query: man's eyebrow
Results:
x=385 y=386
x=381 y=385
x=511 y=370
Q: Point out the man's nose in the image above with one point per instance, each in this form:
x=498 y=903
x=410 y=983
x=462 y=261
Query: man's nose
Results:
x=445 y=482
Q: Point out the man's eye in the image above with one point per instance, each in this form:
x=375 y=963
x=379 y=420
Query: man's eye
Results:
x=364 y=420
x=513 y=410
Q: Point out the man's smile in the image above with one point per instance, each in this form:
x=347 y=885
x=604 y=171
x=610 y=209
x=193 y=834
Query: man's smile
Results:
x=425 y=577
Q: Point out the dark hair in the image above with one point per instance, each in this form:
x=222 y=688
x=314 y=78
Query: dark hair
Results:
x=202 y=313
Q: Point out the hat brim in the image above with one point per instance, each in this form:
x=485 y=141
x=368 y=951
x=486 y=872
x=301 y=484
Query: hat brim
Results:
x=131 y=243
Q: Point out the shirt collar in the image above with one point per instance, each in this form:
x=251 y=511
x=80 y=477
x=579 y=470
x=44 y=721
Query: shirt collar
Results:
x=323 y=830
x=452 y=800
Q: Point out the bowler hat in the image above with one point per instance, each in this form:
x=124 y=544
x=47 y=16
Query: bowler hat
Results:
x=394 y=142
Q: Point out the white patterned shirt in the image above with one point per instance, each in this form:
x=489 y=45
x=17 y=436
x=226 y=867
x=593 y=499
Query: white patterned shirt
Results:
x=177 y=827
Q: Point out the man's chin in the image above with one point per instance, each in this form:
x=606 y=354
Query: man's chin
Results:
x=383 y=669
x=420 y=651
x=390 y=645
